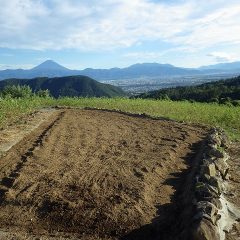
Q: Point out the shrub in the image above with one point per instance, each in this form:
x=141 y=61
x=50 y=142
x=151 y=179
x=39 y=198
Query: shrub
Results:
x=236 y=103
x=43 y=93
x=17 y=92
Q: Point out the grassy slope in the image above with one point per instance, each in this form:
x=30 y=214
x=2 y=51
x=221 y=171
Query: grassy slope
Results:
x=210 y=114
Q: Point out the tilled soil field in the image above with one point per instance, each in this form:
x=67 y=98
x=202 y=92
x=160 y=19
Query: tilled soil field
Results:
x=92 y=174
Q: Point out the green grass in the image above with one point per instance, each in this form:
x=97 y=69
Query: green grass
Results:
x=223 y=116
x=12 y=109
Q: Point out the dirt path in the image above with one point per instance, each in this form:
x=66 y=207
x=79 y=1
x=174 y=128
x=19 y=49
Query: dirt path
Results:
x=96 y=175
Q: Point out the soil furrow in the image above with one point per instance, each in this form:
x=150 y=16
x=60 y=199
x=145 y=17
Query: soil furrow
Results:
x=98 y=175
x=8 y=181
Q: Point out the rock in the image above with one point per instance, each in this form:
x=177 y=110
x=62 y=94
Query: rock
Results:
x=206 y=216
x=218 y=217
x=208 y=167
x=205 y=191
x=225 y=156
x=206 y=231
x=228 y=176
x=207 y=208
x=221 y=166
x=206 y=178
x=211 y=170
x=216 y=203
x=225 y=141
x=213 y=190
x=215 y=182
x=225 y=176
x=215 y=152
x=215 y=139
x=219 y=137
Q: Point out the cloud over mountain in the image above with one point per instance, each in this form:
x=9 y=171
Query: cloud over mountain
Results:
x=109 y=24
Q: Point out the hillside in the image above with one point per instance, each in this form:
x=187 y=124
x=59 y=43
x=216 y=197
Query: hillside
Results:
x=220 y=91
x=73 y=86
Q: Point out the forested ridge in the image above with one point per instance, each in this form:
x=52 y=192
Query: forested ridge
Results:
x=223 y=91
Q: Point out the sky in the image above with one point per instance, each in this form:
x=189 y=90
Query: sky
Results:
x=117 y=33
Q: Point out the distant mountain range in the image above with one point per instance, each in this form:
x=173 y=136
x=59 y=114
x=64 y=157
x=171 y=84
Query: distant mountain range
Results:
x=233 y=66
x=52 y=69
x=73 y=86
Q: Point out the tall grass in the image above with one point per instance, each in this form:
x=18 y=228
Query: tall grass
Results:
x=13 y=109
x=223 y=116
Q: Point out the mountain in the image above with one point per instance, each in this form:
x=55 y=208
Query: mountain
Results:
x=48 y=68
x=52 y=69
x=68 y=86
x=144 y=70
x=222 y=91
x=138 y=71
x=49 y=65
x=223 y=66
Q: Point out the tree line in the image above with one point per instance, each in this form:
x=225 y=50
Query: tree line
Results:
x=224 y=92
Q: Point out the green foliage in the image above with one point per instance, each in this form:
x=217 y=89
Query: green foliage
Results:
x=17 y=92
x=43 y=93
x=223 y=92
x=71 y=86
x=211 y=114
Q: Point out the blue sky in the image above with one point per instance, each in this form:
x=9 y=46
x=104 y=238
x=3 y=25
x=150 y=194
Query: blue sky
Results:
x=117 y=33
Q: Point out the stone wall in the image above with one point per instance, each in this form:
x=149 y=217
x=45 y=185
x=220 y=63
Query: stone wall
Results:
x=211 y=211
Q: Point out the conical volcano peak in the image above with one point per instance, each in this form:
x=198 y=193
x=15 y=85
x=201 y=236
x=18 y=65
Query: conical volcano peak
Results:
x=49 y=65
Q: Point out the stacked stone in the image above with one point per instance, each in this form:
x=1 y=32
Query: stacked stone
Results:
x=210 y=184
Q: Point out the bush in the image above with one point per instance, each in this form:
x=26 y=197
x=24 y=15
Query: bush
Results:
x=236 y=103
x=214 y=100
x=43 y=93
x=17 y=92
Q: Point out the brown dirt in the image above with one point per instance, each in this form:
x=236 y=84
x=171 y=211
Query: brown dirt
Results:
x=16 y=131
x=234 y=190
x=96 y=175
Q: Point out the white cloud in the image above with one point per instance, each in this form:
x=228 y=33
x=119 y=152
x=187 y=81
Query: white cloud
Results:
x=143 y=55
x=15 y=66
x=108 y=24
x=157 y=55
x=219 y=27
x=223 y=57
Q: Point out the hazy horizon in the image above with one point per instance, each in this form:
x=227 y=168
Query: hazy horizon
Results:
x=51 y=60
